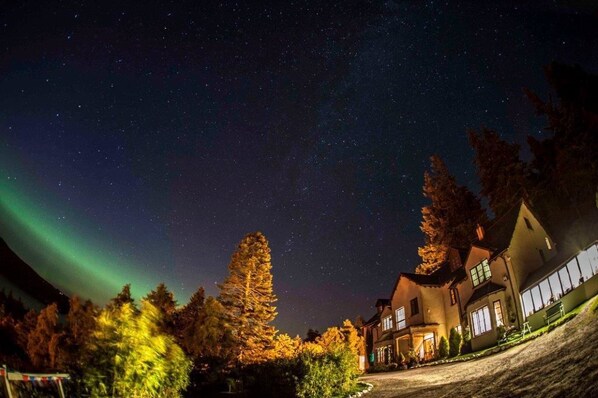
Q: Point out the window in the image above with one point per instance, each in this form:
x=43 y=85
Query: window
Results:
x=565 y=281
x=414 y=307
x=480 y=320
x=453 y=293
x=555 y=286
x=537 y=298
x=498 y=313
x=548 y=245
x=480 y=273
x=459 y=329
x=593 y=256
x=546 y=293
x=401 y=324
x=574 y=272
x=387 y=323
x=583 y=259
x=528 y=224
x=528 y=304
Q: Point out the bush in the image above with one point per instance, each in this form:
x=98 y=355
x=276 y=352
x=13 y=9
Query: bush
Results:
x=412 y=359
x=443 y=349
x=327 y=375
x=454 y=343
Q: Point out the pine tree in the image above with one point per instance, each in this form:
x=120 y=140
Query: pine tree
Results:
x=186 y=317
x=123 y=297
x=449 y=220
x=564 y=168
x=162 y=299
x=248 y=297
x=501 y=172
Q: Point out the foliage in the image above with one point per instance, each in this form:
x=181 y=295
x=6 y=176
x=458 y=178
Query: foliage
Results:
x=123 y=297
x=454 y=343
x=248 y=297
x=334 y=373
x=401 y=358
x=312 y=335
x=163 y=300
x=443 y=347
x=449 y=220
x=39 y=339
x=500 y=171
x=129 y=356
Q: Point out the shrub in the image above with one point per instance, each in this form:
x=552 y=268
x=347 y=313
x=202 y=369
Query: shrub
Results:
x=412 y=359
x=443 y=349
x=331 y=374
x=454 y=343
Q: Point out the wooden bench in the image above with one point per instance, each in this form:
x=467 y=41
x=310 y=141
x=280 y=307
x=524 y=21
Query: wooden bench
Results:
x=555 y=311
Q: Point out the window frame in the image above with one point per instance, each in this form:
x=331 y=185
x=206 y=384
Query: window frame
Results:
x=478 y=319
x=399 y=320
x=480 y=273
x=498 y=313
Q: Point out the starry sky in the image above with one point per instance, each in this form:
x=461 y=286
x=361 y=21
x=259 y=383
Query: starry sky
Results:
x=140 y=143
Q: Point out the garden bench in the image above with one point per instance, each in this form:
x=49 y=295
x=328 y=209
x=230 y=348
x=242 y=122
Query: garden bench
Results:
x=555 y=311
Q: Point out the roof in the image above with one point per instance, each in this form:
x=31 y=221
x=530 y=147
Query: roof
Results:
x=483 y=291
x=498 y=235
x=436 y=278
x=560 y=259
x=374 y=319
x=385 y=336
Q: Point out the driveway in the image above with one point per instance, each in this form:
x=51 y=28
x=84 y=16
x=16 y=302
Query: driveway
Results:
x=562 y=363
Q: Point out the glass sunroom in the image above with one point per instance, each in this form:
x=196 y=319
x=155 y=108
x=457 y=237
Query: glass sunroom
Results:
x=561 y=281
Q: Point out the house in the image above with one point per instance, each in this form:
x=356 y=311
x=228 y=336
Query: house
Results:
x=421 y=310
x=371 y=331
x=497 y=266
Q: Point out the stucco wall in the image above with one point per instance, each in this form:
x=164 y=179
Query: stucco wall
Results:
x=405 y=291
x=489 y=338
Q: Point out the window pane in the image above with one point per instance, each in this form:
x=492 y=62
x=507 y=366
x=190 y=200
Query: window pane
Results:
x=593 y=256
x=565 y=281
x=498 y=313
x=545 y=290
x=474 y=277
x=537 y=298
x=475 y=322
x=487 y=323
x=583 y=260
x=555 y=286
x=528 y=305
x=486 y=267
x=573 y=272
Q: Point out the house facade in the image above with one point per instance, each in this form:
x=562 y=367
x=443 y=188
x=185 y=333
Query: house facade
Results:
x=511 y=275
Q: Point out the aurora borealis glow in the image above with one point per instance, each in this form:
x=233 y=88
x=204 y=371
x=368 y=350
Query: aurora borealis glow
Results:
x=140 y=144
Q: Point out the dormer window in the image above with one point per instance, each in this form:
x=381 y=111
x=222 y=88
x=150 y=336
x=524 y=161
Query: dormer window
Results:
x=480 y=273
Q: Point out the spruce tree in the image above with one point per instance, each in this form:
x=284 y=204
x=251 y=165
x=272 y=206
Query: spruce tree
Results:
x=501 y=172
x=248 y=298
x=39 y=339
x=449 y=220
x=123 y=297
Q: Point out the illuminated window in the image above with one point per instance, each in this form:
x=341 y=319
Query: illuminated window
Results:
x=528 y=304
x=414 y=307
x=555 y=286
x=574 y=273
x=387 y=322
x=548 y=245
x=400 y=313
x=480 y=320
x=453 y=293
x=583 y=259
x=480 y=273
x=498 y=313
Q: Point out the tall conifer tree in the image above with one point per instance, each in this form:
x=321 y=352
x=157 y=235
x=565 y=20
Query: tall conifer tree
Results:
x=449 y=220
x=248 y=298
x=501 y=172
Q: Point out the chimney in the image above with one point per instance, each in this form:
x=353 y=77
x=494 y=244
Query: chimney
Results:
x=480 y=231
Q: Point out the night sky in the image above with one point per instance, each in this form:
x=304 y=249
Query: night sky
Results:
x=141 y=143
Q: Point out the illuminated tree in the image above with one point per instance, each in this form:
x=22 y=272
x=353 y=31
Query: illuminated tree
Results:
x=129 y=356
x=24 y=327
x=353 y=340
x=248 y=298
x=449 y=220
x=38 y=342
x=285 y=347
x=501 y=172
x=162 y=299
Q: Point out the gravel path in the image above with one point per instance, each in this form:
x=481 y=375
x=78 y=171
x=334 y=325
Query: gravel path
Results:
x=563 y=363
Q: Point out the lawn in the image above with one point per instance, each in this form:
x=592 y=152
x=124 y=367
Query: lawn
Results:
x=561 y=363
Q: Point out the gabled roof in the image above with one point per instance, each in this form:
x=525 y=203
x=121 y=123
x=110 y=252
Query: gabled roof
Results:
x=483 y=291
x=374 y=319
x=499 y=233
x=436 y=279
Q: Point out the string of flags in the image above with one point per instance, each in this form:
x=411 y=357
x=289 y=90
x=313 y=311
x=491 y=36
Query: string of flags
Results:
x=32 y=377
